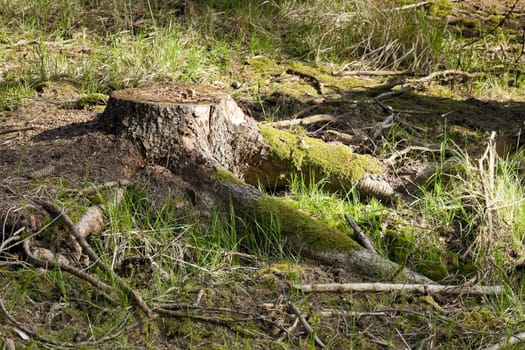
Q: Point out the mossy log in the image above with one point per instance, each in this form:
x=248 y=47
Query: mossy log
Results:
x=208 y=139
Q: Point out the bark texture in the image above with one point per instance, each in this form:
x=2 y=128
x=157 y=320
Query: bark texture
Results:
x=208 y=139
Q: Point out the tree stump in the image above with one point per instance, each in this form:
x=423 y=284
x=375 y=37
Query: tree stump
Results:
x=206 y=137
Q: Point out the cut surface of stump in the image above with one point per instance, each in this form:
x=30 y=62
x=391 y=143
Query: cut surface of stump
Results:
x=207 y=138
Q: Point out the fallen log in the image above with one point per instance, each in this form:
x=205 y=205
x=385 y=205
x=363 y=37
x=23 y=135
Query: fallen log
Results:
x=206 y=138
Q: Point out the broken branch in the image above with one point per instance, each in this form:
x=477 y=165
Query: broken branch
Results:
x=316 y=82
x=309 y=330
x=390 y=287
x=360 y=236
x=56 y=211
x=317 y=118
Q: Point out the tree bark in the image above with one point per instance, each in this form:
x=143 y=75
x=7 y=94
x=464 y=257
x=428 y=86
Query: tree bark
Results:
x=208 y=139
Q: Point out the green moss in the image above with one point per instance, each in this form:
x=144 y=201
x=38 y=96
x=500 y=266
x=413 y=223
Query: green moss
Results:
x=496 y=18
x=280 y=270
x=441 y=8
x=317 y=236
x=92 y=100
x=336 y=163
x=223 y=174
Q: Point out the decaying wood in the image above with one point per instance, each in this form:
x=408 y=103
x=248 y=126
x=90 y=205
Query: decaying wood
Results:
x=389 y=287
x=222 y=153
x=190 y=138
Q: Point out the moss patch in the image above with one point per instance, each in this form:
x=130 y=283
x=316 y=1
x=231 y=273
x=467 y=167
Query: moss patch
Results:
x=223 y=174
x=337 y=163
x=92 y=100
x=317 y=236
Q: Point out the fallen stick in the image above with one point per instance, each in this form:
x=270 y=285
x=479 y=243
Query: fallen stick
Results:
x=327 y=313
x=316 y=82
x=513 y=339
x=54 y=343
x=68 y=268
x=390 y=287
x=309 y=330
x=56 y=211
x=360 y=236
x=371 y=73
x=317 y=118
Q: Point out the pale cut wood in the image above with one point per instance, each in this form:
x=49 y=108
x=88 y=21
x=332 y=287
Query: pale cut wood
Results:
x=391 y=287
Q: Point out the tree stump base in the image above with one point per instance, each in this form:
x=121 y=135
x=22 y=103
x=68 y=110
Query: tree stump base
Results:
x=206 y=137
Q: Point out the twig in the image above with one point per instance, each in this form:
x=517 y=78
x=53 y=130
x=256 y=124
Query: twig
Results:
x=316 y=82
x=372 y=73
x=389 y=287
x=10 y=131
x=317 y=118
x=412 y=6
x=443 y=74
x=96 y=188
x=408 y=149
x=54 y=210
x=68 y=268
x=52 y=342
x=514 y=339
x=309 y=330
x=210 y=319
x=403 y=339
x=360 y=236
x=199 y=297
x=334 y=313
x=14 y=237
x=392 y=93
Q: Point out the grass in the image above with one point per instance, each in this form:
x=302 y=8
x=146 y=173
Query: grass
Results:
x=465 y=224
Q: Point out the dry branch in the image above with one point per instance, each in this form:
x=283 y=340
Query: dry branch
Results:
x=52 y=264
x=327 y=313
x=309 y=330
x=318 y=85
x=317 y=118
x=390 y=287
x=361 y=237
x=55 y=211
x=10 y=131
x=512 y=340
x=50 y=342
x=371 y=73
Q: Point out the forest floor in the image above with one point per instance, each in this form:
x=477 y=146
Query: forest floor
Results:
x=52 y=147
